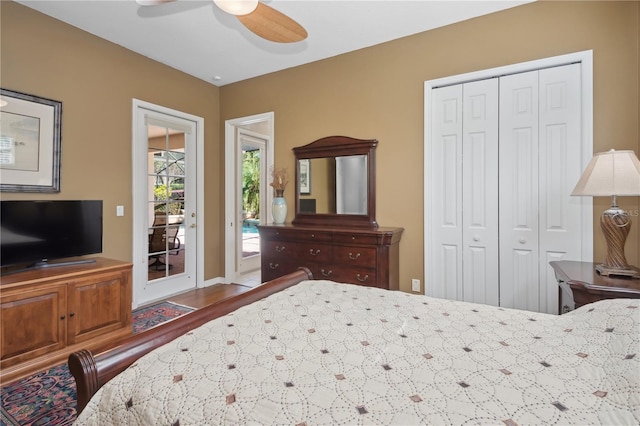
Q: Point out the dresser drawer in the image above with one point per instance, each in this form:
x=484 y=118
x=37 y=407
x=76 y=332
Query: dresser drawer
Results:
x=289 y=234
x=274 y=268
x=360 y=276
x=354 y=238
x=278 y=249
x=355 y=256
x=313 y=253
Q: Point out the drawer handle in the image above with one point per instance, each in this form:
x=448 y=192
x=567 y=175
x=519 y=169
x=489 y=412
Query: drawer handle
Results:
x=314 y=253
x=72 y=314
x=280 y=249
x=326 y=274
x=352 y=257
x=273 y=266
x=366 y=277
x=62 y=317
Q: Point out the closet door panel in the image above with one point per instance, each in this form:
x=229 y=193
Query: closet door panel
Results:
x=446 y=196
x=518 y=188
x=560 y=168
x=479 y=195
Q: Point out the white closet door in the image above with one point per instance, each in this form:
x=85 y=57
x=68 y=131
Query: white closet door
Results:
x=560 y=168
x=446 y=193
x=480 y=195
x=518 y=188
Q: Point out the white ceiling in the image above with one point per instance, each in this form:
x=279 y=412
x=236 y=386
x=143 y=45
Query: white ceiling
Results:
x=196 y=37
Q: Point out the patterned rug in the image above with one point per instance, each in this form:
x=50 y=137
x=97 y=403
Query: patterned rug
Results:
x=48 y=397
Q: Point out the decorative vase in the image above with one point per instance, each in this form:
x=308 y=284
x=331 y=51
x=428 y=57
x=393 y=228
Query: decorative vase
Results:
x=279 y=208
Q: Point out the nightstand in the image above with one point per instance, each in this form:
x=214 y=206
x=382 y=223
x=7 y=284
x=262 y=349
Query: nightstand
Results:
x=580 y=281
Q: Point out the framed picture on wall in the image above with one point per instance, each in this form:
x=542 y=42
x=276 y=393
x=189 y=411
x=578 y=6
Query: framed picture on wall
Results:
x=30 y=142
x=305 y=177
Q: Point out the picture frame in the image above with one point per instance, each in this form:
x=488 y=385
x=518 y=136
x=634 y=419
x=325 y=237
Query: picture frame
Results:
x=305 y=176
x=30 y=142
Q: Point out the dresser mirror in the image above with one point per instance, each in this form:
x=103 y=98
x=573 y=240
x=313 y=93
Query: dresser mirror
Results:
x=335 y=182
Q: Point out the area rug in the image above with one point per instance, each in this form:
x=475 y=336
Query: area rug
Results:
x=48 y=397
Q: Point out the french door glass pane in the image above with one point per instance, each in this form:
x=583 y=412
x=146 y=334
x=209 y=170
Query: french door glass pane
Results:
x=250 y=202
x=166 y=179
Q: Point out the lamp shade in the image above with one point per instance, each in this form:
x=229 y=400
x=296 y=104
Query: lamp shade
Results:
x=237 y=7
x=610 y=173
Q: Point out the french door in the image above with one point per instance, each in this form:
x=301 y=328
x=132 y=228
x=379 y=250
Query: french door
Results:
x=165 y=202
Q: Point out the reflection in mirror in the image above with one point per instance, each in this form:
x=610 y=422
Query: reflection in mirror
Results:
x=335 y=182
x=339 y=185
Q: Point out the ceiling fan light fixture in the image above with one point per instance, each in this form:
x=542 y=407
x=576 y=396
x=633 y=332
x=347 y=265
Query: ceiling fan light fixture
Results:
x=237 y=7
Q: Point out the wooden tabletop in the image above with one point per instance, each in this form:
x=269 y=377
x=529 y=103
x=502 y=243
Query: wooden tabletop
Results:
x=584 y=274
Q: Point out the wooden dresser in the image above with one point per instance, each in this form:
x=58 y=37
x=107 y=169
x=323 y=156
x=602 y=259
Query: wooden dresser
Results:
x=46 y=314
x=367 y=257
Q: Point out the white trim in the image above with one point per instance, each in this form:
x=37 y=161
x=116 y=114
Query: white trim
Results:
x=230 y=270
x=586 y=59
x=138 y=190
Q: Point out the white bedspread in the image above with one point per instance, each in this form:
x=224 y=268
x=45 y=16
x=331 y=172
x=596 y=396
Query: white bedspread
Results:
x=328 y=353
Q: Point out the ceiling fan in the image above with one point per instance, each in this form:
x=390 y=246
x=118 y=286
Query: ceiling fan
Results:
x=262 y=20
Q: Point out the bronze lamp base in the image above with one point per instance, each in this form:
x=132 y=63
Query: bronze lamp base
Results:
x=615 y=224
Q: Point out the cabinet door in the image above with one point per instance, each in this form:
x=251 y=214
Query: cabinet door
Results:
x=98 y=305
x=33 y=322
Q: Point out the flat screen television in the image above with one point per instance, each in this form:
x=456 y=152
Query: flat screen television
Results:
x=34 y=232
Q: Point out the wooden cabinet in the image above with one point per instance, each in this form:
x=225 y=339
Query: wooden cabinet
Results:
x=46 y=314
x=367 y=257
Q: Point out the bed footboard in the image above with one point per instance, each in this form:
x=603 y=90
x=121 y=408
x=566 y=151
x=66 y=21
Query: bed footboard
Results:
x=92 y=371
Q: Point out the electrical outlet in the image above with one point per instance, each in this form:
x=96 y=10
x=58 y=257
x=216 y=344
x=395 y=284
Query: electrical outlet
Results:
x=415 y=285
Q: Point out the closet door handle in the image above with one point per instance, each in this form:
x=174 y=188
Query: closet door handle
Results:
x=522 y=241
x=476 y=238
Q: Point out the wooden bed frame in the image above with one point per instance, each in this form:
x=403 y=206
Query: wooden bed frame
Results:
x=91 y=372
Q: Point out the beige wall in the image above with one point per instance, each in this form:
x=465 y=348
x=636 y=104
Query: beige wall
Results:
x=378 y=93
x=372 y=93
x=96 y=81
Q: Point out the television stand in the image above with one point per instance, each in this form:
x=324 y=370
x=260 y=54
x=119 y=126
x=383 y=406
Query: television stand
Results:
x=48 y=313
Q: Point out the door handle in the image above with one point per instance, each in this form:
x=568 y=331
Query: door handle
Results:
x=193 y=225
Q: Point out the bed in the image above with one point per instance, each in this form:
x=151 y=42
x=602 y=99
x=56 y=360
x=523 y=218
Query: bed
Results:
x=304 y=352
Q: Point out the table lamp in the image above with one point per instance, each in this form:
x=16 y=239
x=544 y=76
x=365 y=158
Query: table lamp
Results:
x=613 y=173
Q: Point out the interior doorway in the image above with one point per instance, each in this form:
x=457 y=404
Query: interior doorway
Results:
x=248 y=157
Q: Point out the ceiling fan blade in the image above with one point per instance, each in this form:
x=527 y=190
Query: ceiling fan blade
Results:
x=272 y=25
x=152 y=2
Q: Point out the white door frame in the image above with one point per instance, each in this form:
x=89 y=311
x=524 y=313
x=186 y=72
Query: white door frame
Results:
x=231 y=215
x=584 y=57
x=139 y=192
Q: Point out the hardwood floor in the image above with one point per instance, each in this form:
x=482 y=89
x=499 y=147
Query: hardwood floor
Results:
x=201 y=297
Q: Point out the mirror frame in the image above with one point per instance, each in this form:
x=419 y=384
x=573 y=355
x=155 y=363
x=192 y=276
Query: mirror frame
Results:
x=339 y=146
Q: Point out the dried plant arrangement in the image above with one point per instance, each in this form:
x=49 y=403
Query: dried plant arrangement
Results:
x=280 y=181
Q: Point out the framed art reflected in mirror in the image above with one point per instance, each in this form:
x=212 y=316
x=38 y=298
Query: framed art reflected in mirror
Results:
x=305 y=177
x=30 y=143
